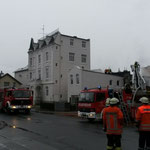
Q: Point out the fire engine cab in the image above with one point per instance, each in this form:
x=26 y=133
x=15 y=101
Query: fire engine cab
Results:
x=12 y=100
x=92 y=101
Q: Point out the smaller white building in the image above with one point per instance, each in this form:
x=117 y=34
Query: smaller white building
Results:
x=21 y=75
x=79 y=78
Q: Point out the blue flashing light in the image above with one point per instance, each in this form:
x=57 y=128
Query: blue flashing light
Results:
x=99 y=87
x=85 y=88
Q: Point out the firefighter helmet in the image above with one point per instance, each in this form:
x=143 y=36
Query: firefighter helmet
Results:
x=114 y=101
x=144 y=100
x=107 y=102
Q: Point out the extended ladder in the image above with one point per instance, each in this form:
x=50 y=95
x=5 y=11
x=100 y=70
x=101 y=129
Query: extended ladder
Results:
x=124 y=109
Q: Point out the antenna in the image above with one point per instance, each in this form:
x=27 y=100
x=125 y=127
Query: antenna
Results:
x=43 y=31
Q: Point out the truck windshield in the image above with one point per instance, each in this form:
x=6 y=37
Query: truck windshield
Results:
x=86 y=97
x=21 y=94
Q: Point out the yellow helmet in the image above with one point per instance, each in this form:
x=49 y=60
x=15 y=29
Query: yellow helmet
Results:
x=114 y=101
x=107 y=103
x=144 y=100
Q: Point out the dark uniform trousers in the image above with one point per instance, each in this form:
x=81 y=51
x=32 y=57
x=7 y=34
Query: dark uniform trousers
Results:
x=113 y=140
x=144 y=140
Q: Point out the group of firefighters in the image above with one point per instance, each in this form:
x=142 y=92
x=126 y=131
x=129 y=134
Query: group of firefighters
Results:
x=113 y=124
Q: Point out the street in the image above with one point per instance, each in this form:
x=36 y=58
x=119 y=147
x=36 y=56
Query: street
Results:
x=39 y=131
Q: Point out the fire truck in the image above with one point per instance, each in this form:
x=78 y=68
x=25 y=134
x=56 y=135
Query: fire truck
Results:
x=14 y=100
x=139 y=88
x=92 y=101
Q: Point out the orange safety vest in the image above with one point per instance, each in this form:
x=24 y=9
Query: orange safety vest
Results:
x=143 y=117
x=112 y=119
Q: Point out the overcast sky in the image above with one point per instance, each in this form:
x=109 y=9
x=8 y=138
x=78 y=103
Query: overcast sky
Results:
x=119 y=30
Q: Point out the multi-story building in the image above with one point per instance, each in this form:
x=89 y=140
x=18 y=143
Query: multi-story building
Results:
x=49 y=61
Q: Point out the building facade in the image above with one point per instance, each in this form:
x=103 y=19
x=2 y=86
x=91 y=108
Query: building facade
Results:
x=79 y=78
x=7 y=81
x=49 y=61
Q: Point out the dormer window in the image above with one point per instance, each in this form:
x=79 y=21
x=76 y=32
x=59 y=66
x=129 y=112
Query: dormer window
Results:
x=71 y=42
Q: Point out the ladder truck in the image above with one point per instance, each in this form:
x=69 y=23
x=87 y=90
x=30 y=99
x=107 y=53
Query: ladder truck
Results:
x=138 y=88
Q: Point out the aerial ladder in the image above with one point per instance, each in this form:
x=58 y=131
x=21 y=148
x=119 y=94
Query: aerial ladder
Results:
x=138 y=82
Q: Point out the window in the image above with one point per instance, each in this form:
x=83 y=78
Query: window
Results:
x=83 y=58
x=46 y=56
x=71 y=79
x=77 y=78
x=14 y=84
x=30 y=75
x=47 y=72
x=71 y=42
x=71 y=56
x=30 y=62
x=118 y=82
x=39 y=58
x=47 y=90
x=100 y=97
x=39 y=74
x=110 y=82
x=6 y=84
x=83 y=44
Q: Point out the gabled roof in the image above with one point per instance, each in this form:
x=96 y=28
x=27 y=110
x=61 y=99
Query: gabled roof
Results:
x=7 y=74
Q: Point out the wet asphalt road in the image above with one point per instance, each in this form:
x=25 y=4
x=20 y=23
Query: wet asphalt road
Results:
x=40 y=131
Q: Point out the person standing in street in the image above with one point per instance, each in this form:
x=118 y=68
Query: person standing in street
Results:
x=113 y=124
x=107 y=104
x=143 y=123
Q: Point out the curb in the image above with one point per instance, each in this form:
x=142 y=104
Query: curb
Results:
x=70 y=114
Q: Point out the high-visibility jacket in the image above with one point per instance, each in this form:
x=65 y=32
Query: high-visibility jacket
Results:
x=143 y=117
x=113 y=119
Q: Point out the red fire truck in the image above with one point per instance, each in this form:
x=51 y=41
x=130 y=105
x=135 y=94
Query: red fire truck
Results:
x=13 y=100
x=92 y=101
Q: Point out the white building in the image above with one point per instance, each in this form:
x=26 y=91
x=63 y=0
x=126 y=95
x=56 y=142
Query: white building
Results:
x=79 y=78
x=49 y=61
x=52 y=68
x=22 y=76
x=145 y=71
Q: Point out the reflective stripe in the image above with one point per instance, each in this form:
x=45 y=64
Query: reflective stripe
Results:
x=108 y=117
x=145 y=127
x=109 y=147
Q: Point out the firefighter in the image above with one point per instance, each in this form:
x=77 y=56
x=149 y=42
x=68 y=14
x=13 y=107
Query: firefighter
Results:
x=143 y=124
x=113 y=124
x=107 y=104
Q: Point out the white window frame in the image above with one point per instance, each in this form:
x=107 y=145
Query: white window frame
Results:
x=47 y=72
x=83 y=58
x=46 y=56
x=47 y=90
x=71 y=56
x=84 y=44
